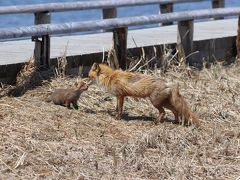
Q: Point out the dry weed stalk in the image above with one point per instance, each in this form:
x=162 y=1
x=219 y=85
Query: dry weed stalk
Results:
x=168 y=62
x=112 y=59
x=26 y=73
x=4 y=89
x=27 y=78
x=144 y=61
x=61 y=69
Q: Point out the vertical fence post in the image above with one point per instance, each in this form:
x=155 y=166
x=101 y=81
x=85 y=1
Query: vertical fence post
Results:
x=109 y=13
x=185 y=40
x=42 y=44
x=218 y=4
x=120 y=45
x=238 y=41
x=166 y=8
x=119 y=38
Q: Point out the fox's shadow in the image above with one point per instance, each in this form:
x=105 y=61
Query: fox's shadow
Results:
x=127 y=117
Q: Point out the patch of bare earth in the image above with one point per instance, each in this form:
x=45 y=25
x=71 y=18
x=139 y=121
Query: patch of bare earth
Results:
x=40 y=140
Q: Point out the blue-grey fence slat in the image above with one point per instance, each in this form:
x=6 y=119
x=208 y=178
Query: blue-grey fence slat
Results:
x=51 y=29
x=70 y=6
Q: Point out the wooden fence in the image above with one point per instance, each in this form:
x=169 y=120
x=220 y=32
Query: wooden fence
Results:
x=42 y=29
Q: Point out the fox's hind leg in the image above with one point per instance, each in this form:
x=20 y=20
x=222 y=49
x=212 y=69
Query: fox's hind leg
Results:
x=158 y=99
x=176 y=115
x=119 y=108
x=161 y=114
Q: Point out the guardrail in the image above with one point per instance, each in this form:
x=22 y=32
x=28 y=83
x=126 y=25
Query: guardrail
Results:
x=41 y=33
x=72 y=6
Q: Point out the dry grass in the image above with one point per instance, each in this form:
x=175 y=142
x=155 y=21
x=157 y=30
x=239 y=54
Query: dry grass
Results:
x=40 y=140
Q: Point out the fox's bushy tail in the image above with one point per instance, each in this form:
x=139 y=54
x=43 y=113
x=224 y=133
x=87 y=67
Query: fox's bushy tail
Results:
x=185 y=115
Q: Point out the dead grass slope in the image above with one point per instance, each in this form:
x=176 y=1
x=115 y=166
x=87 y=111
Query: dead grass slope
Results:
x=40 y=140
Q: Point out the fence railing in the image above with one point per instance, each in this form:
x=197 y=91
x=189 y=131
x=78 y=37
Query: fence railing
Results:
x=42 y=29
x=72 y=6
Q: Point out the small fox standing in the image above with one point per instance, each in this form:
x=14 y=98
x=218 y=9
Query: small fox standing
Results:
x=161 y=94
x=68 y=96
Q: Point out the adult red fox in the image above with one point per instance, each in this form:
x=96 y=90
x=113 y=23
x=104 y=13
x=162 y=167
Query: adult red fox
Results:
x=161 y=94
x=68 y=96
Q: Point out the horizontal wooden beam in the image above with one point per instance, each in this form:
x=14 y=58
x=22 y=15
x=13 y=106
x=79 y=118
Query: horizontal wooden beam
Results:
x=53 y=29
x=58 y=7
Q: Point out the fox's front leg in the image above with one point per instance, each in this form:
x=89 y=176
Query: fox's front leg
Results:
x=119 y=108
x=68 y=104
x=161 y=114
x=75 y=105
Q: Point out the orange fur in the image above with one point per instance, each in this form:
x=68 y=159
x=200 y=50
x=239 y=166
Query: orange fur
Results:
x=161 y=94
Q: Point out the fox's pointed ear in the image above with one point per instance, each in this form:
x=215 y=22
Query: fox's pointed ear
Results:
x=95 y=67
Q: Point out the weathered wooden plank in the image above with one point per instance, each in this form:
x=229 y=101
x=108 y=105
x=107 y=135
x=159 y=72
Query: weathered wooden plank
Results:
x=108 y=14
x=49 y=29
x=58 y=7
x=166 y=8
x=42 y=43
x=185 y=40
x=120 y=46
x=218 y=4
x=238 y=41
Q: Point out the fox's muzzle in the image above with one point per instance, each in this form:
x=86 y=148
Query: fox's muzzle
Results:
x=88 y=81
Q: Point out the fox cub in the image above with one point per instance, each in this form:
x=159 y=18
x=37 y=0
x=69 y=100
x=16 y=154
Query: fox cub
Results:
x=68 y=96
x=161 y=94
